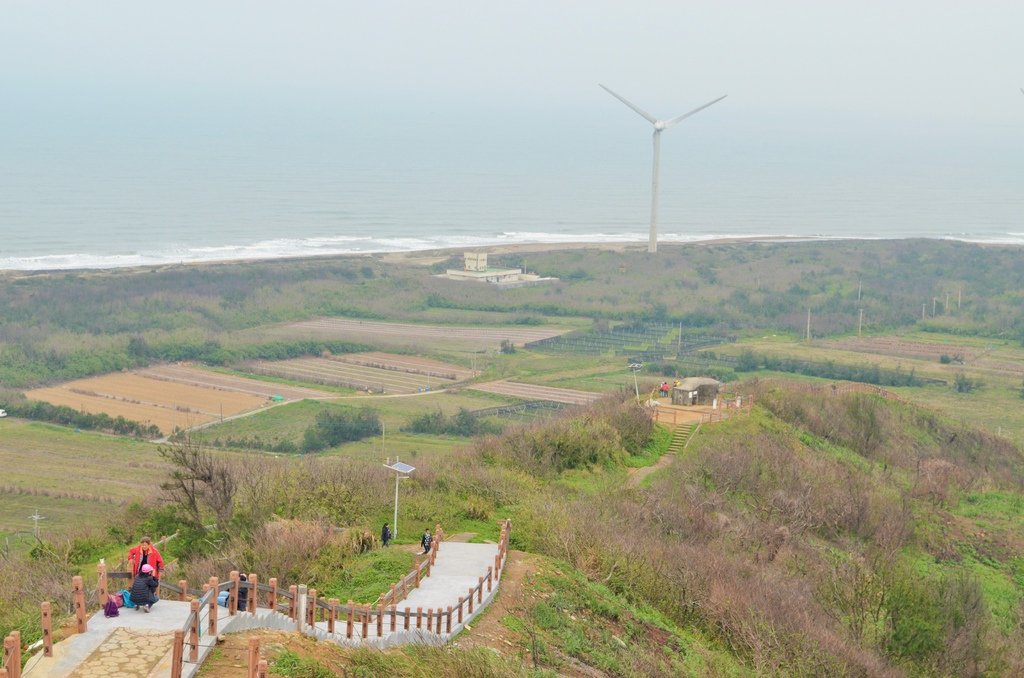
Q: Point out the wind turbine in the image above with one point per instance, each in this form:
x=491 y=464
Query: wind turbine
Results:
x=659 y=127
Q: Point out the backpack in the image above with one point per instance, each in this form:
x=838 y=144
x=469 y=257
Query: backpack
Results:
x=127 y=596
x=110 y=609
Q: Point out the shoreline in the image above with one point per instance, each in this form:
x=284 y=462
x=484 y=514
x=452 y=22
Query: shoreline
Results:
x=427 y=257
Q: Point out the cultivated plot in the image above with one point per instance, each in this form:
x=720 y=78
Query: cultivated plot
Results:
x=412 y=334
x=534 y=392
x=167 y=397
x=380 y=376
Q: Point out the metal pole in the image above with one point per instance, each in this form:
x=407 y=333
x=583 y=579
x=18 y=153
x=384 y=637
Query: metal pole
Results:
x=652 y=245
x=394 y=530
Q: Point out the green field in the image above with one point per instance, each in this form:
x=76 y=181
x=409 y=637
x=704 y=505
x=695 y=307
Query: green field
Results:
x=74 y=479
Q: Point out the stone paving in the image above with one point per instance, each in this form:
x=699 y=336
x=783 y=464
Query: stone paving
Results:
x=126 y=653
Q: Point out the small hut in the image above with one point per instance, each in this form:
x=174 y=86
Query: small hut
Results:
x=696 y=391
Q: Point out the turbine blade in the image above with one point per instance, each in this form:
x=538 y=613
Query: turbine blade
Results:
x=650 y=118
x=684 y=116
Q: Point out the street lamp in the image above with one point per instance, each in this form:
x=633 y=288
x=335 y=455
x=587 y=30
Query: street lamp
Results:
x=401 y=471
x=634 y=368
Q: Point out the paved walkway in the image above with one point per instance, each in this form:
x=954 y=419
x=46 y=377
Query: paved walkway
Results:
x=138 y=645
x=102 y=650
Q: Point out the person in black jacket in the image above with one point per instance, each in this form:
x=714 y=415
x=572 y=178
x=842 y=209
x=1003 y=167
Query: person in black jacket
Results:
x=385 y=534
x=144 y=586
x=426 y=540
x=243 y=594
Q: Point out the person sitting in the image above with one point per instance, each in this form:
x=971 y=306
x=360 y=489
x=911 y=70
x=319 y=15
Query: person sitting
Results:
x=144 y=586
x=145 y=554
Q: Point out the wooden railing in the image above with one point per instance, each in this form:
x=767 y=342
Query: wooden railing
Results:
x=10 y=667
x=304 y=606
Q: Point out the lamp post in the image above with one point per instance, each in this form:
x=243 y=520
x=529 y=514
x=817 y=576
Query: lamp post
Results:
x=634 y=368
x=401 y=471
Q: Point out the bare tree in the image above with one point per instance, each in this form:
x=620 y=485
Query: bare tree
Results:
x=199 y=481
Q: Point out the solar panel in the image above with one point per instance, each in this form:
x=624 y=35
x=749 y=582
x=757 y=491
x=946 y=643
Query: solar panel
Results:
x=402 y=467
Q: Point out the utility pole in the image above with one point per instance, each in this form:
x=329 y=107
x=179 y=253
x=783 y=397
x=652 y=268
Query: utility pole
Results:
x=808 y=326
x=35 y=517
x=959 y=295
x=860 y=323
x=859 y=287
x=945 y=309
x=679 y=343
x=934 y=302
x=923 y=307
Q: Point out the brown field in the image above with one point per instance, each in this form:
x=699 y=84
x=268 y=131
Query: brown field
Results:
x=168 y=397
x=533 y=392
x=185 y=374
x=406 y=333
x=408 y=363
x=336 y=371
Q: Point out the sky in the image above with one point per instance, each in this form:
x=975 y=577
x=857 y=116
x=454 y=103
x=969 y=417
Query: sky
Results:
x=874 y=94
x=907 y=66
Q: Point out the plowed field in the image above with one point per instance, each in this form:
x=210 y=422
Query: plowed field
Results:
x=339 y=372
x=411 y=334
x=534 y=392
x=168 y=397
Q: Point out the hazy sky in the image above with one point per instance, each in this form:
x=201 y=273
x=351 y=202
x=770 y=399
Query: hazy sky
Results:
x=934 y=62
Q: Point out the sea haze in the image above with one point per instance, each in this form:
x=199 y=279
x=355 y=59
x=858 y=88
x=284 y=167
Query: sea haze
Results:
x=114 y=191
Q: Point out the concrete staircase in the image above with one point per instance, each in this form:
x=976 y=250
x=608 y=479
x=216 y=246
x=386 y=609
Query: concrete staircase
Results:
x=681 y=437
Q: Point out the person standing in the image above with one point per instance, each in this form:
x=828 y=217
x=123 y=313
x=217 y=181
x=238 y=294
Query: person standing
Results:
x=385 y=535
x=144 y=586
x=426 y=540
x=145 y=554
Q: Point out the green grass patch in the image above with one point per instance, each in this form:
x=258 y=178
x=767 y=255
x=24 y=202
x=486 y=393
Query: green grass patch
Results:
x=365 y=577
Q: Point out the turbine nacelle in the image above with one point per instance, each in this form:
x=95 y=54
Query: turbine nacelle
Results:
x=660 y=125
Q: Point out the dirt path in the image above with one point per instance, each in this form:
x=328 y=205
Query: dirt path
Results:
x=636 y=475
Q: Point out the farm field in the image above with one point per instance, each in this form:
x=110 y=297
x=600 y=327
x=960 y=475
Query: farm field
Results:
x=289 y=422
x=72 y=478
x=196 y=376
x=169 y=397
x=992 y=406
x=376 y=372
x=407 y=334
x=534 y=392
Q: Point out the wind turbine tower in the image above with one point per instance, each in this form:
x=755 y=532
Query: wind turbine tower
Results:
x=659 y=127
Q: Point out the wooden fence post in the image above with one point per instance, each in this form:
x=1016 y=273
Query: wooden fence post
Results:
x=272 y=596
x=380 y=620
x=419 y=617
x=254 y=658
x=193 y=634
x=480 y=591
x=365 y=610
x=211 y=617
x=394 y=609
x=311 y=608
x=12 y=651
x=183 y=593
x=448 y=621
x=47 y=629
x=332 y=615
x=416 y=571
x=405 y=624
x=101 y=582
x=430 y=619
x=78 y=590
x=262 y=669
x=490 y=577
x=461 y=601
x=497 y=563
x=351 y=618
x=177 y=652
x=254 y=593
x=471 y=600
x=293 y=601
x=233 y=596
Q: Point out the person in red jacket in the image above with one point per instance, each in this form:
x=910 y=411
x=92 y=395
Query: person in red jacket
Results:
x=145 y=554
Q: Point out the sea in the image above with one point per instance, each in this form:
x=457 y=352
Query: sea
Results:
x=121 y=198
